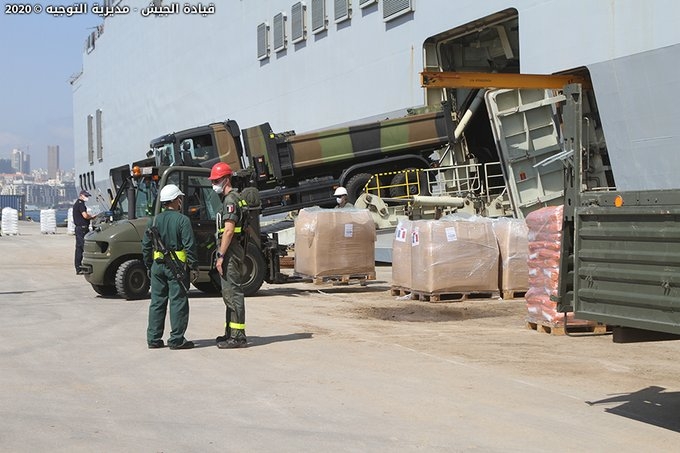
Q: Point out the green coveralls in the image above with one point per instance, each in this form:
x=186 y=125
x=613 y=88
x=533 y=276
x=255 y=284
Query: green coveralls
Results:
x=232 y=277
x=176 y=233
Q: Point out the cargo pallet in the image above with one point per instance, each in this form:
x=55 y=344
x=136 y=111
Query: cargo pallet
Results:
x=400 y=291
x=453 y=296
x=346 y=279
x=558 y=330
x=287 y=262
x=508 y=294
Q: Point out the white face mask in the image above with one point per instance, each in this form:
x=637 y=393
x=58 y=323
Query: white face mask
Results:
x=339 y=200
x=86 y=198
x=219 y=188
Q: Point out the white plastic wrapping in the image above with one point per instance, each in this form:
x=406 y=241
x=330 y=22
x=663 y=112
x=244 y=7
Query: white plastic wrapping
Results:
x=334 y=242
x=512 y=237
x=70 y=226
x=545 y=242
x=10 y=221
x=454 y=254
x=401 y=255
x=48 y=221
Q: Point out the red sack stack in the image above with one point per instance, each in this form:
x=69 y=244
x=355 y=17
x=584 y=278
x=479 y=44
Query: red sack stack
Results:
x=545 y=242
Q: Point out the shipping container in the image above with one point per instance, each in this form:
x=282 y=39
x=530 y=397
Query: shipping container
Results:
x=17 y=202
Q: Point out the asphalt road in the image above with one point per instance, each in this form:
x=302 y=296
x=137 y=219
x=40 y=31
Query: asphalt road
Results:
x=327 y=369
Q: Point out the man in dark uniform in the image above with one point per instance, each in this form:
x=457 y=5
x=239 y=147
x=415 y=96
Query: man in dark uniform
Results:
x=81 y=220
x=230 y=258
x=176 y=234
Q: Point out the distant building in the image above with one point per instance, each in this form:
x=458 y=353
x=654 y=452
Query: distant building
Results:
x=6 y=166
x=21 y=161
x=52 y=161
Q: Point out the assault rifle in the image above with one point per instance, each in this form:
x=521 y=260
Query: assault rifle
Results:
x=169 y=258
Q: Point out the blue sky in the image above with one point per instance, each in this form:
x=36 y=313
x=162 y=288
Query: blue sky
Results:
x=38 y=55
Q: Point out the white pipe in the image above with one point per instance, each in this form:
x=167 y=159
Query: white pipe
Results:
x=468 y=114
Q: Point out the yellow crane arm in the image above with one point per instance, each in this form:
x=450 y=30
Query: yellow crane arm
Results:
x=498 y=80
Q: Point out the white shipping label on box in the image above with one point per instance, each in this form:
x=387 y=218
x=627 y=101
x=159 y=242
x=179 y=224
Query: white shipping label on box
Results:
x=451 y=234
x=349 y=230
x=400 y=235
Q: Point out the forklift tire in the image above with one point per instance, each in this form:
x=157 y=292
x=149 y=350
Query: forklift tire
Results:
x=105 y=290
x=132 y=283
x=208 y=287
x=256 y=270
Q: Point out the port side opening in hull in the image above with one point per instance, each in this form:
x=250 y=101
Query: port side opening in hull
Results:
x=518 y=128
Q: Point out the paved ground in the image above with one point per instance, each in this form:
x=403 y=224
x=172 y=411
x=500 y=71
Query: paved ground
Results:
x=328 y=369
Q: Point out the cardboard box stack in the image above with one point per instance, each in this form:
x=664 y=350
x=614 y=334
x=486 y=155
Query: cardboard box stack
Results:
x=545 y=241
x=401 y=255
x=512 y=237
x=454 y=255
x=334 y=242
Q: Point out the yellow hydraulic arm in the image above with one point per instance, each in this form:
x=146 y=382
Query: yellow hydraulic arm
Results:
x=497 y=80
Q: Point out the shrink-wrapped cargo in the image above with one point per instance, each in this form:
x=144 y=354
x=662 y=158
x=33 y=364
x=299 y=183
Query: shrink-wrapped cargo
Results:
x=401 y=255
x=512 y=237
x=10 y=221
x=545 y=242
x=454 y=255
x=70 y=226
x=48 y=221
x=334 y=242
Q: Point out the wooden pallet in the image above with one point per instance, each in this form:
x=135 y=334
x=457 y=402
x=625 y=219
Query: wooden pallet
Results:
x=347 y=279
x=508 y=294
x=400 y=291
x=453 y=297
x=559 y=329
x=287 y=262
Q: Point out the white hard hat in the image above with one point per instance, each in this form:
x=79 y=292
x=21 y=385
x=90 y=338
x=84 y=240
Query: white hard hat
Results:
x=340 y=191
x=170 y=192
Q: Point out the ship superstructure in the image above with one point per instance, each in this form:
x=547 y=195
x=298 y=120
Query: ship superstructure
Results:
x=316 y=64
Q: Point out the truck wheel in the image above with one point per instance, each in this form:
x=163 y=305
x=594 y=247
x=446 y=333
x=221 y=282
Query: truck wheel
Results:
x=105 y=290
x=131 y=280
x=255 y=270
x=400 y=179
x=356 y=184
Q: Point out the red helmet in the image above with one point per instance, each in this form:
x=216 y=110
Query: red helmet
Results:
x=219 y=171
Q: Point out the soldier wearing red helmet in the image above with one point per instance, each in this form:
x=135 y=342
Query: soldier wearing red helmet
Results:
x=219 y=171
x=230 y=255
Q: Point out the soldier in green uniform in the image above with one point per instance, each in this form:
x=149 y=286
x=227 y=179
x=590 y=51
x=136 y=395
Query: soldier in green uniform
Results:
x=230 y=256
x=176 y=234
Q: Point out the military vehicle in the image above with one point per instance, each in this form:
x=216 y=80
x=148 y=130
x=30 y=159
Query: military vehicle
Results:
x=112 y=258
x=275 y=173
x=293 y=171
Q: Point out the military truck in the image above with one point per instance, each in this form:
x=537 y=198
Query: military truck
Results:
x=620 y=257
x=275 y=173
x=293 y=171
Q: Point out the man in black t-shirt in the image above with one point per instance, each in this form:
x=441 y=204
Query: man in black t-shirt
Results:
x=81 y=219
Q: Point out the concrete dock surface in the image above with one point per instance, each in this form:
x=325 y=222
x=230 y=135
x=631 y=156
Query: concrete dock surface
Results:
x=327 y=368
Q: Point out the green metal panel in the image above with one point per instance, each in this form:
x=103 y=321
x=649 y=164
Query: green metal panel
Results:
x=627 y=260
